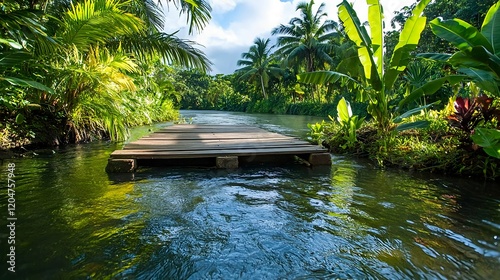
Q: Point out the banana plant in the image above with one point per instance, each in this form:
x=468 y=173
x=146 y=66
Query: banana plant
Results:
x=349 y=123
x=478 y=55
x=378 y=79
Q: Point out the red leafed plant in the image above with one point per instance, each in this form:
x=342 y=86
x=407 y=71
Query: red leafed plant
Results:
x=471 y=112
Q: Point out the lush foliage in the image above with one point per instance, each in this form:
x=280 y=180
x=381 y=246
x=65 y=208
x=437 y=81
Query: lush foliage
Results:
x=349 y=123
x=478 y=50
x=471 y=10
x=489 y=140
x=92 y=69
x=72 y=73
x=469 y=113
x=376 y=79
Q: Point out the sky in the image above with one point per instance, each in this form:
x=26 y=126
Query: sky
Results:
x=236 y=23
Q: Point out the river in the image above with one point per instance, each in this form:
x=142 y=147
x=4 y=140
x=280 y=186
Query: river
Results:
x=348 y=221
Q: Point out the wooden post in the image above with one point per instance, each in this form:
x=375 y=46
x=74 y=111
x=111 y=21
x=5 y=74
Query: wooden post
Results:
x=320 y=159
x=121 y=165
x=228 y=162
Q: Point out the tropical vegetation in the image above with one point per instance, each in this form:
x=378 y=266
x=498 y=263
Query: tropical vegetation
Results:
x=423 y=95
x=73 y=72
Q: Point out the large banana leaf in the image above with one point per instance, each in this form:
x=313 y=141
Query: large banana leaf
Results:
x=483 y=79
x=461 y=34
x=480 y=58
x=440 y=57
x=323 y=77
x=358 y=34
x=490 y=28
x=375 y=19
x=431 y=88
x=408 y=41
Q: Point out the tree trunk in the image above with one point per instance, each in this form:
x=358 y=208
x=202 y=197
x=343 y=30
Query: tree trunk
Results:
x=263 y=88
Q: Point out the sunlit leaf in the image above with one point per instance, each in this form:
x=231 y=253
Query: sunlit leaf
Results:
x=413 y=112
x=11 y=43
x=375 y=19
x=358 y=34
x=408 y=41
x=490 y=27
x=344 y=111
x=90 y=22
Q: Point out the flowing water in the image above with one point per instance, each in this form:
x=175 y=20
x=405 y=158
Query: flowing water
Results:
x=347 y=221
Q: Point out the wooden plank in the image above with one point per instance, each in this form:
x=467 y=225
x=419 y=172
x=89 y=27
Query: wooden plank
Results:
x=204 y=130
x=211 y=127
x=153 y=142
x=212 y=141
x=211 y=147
x=194 y=136
x=158 y=141
x=146 y=154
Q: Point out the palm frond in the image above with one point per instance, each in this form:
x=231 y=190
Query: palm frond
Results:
x=171 y=48
x=196 y=11
x=25 y=28
x=97 y=21
x=149 y=11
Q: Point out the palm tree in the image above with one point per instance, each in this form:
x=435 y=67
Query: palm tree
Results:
x=306 y=40
x=94 y=33
x=86 y=51
x=258 y=64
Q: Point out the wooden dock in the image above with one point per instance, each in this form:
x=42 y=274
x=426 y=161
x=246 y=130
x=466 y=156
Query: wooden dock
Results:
x=223 y=146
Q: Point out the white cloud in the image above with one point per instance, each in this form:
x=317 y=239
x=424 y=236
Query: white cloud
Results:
x=236 y=23
x=222 y=6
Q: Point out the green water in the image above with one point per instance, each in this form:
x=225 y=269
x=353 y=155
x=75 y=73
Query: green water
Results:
x=348 y=221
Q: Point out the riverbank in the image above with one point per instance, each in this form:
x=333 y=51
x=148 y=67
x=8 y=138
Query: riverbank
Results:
x=436 y=149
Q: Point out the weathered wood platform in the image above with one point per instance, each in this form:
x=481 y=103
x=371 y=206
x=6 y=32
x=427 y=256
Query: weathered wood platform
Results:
x=226 y=146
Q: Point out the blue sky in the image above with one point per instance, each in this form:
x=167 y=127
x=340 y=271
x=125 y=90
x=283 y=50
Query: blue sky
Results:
x=236 y=23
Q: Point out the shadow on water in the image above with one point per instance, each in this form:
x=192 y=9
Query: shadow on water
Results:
x=347 y=221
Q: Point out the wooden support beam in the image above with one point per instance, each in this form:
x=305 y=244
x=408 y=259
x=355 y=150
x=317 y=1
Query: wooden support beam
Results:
x=121 y=165
x=320 y=159
x=227 y=162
